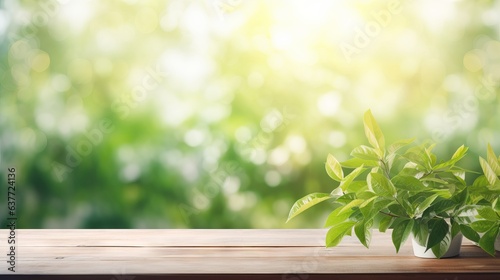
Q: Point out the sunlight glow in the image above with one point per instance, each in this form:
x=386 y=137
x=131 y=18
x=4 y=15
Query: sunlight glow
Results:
x=76 y=14
x=329 y=103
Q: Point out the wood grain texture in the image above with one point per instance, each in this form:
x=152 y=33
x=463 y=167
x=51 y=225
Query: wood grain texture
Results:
x=283 y=253
x=169 y=237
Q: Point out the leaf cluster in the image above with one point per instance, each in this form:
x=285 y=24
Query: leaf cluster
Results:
x=485 y=193
x=403 y=186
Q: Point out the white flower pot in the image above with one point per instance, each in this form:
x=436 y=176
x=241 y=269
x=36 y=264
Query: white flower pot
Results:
x=453 y=251
x=497 y=243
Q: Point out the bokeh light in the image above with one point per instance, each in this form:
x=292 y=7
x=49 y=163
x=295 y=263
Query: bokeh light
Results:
x=220 y=113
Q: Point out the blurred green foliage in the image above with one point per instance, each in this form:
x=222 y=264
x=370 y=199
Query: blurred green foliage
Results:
x=220 y=113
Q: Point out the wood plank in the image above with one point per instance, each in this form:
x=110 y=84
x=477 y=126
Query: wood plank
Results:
x=125 y=253
x=246 y=264
x=182 y=237
x=260 y=265
x=168 y=237
x=115 y=252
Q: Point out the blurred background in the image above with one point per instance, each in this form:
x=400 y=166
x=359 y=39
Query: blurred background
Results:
x=220 y=113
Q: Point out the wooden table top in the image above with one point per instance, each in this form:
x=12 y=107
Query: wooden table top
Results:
x=240 y=254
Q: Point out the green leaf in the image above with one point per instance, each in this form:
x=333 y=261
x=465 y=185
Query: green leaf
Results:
x=408 y=183
x=385 y=223
x=346 y=198
x=336 y=218
x=469 y=233
x=495 y=187
x=434 y=179
x=466 y=214
x=496 y=205
x=365 y=193
x=356 y=162
x=366 y=207
x=443 y=193
x=442 y=247
x=382 y=202
x=419 y=156
x=461 y=197
x=394 y=147
x=307 y=202
x=356 y=216
x=482 y=225
x=357 y=187
x=455 y=228
x=333 y=168
x=373 y=132
x=411 y=169
x=342 y=213
x=487 y=241
x=492 y=160
x=362 y=231
x=351 y=205
x=460 y=153
x=366 y=153
x=405 y=203
x=344 y=183
x=379 y=204
x=441 y=206
x=429 y=153
x=457 y=156
x=425 y=204
x=488 y=213
x=438 y=230
x=398 y=210
x=390 y=161
x=460 y=176
x=488 y=172
x=480 y=182
x=337 y=232
x=401 y=232
x=420 y=232
x=381 y=185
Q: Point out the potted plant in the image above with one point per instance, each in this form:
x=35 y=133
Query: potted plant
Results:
x=403 y=187
x=485 y=193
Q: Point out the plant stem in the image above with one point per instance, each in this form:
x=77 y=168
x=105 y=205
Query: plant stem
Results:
x=389 y=214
